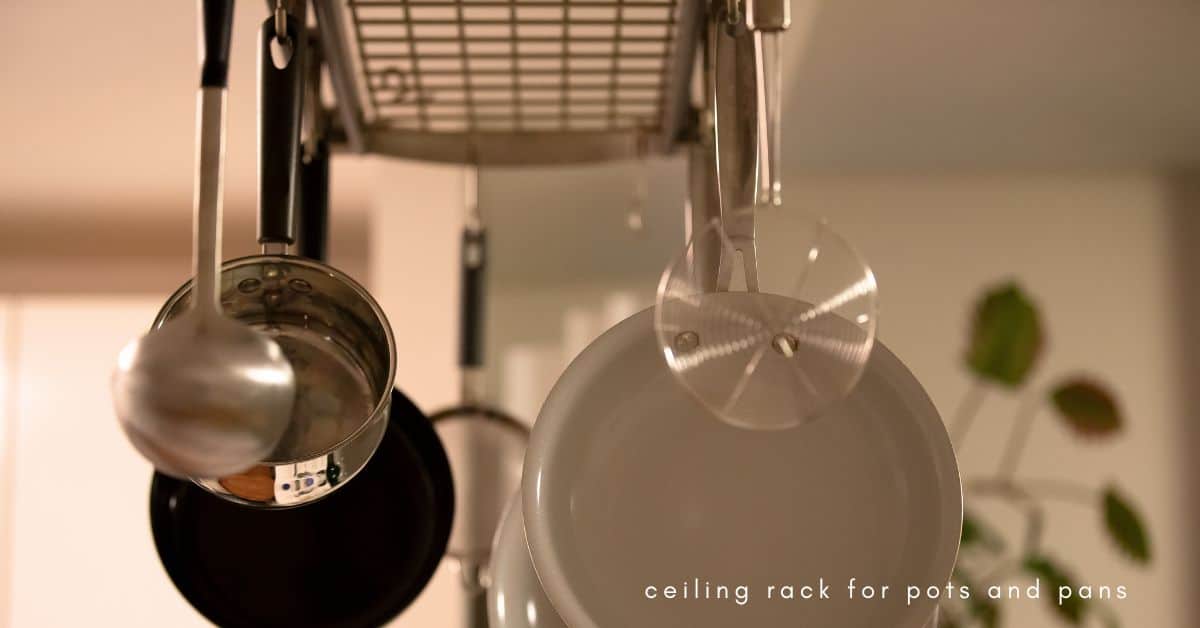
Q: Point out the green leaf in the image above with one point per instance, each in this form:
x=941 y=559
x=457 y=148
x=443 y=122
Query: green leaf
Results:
x=976 y=533
x=1052 y=577
x=1125 y=527
x=1087 y=407
x=983 y=610
x=945 y=620
x=1006 y=337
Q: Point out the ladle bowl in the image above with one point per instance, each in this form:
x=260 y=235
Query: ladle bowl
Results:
x=203 y=395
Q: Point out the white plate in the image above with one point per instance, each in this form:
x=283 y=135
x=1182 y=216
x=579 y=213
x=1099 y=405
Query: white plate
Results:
x=630 y=483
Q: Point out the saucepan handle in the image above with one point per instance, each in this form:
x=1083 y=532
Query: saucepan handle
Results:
x=280 y=98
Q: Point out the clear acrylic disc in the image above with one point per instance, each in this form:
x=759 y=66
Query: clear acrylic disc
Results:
x=774 y=357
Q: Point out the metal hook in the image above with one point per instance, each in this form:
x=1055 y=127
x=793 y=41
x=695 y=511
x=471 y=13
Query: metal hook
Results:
x=281 y=31
x=733 y=13
x=474 y=218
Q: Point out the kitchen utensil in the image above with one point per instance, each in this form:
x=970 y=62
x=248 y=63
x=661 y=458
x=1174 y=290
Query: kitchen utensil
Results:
x=486 y=446
x=205 y=395
x=515 y=597
x=630 y=483
x=758 y=360
x=354 y=560
x=778 y=354
x=333 y=332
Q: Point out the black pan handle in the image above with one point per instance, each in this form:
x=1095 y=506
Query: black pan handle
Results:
x=218 y=31
x=474 y=263
x=477 y=608
x=314 y=204
x=280 y=99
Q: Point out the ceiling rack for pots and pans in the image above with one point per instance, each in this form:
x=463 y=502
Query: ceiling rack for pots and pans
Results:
x=637 y=478
x=526 y=83
x=355 y=558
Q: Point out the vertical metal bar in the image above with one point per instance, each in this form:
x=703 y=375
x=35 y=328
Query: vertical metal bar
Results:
x=688 y=21
x=468 y=93
x=515 y=53
x=329 y=25
x=615 y=66
x=362 y=59
x=422 y=114
x=566 y=55
x=703 y=208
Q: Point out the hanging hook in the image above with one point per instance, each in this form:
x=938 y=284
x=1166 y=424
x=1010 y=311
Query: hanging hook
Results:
x=733 y=12
x=474 y=218
x=281 y=30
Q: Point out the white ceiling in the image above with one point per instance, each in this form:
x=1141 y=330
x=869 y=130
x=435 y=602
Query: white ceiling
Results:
x=98 y=109
x=1020 y=84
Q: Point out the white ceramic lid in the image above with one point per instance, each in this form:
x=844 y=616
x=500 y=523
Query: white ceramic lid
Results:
x=630 y=483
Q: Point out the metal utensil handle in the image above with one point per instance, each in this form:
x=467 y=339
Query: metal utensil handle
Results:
x=474 y=266
x=217 y=18
x=733 y=83
x=280 y=100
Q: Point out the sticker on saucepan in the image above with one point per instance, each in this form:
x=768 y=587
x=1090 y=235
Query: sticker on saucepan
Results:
x=303 y=481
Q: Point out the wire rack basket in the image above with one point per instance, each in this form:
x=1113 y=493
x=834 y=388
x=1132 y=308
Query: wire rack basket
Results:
x=511 y=81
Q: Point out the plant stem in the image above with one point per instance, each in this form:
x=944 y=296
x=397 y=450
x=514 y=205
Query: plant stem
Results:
x=967 y=411
x=1006 y=489
x=1000 y=572
x=1018 y=438
x=1060 y=490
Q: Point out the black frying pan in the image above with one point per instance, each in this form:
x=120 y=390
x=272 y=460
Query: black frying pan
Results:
x=354 y=559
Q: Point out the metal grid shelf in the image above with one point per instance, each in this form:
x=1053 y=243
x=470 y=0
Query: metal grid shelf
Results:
x=511 y=81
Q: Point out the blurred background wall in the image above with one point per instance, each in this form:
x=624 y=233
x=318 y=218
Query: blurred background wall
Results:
x=957 y=145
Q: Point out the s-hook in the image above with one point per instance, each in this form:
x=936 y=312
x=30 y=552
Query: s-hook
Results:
x=281 y=31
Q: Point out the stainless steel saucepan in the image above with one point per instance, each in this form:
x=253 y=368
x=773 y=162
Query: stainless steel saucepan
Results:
x=334 y=333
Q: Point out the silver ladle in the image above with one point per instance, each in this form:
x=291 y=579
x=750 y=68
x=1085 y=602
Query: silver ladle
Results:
x=204 y=395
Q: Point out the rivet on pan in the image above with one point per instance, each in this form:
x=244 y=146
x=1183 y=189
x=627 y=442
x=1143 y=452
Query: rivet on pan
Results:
x=272 y=297
x=272 y=272
x=249 y=285
x=687 y=341
x=785 y=344
x=299 y=285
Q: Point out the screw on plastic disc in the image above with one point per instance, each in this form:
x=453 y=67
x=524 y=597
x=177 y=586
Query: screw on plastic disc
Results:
x=777 y=356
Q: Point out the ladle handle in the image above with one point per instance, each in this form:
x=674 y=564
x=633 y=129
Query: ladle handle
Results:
x=280 y=98
x=217 y=19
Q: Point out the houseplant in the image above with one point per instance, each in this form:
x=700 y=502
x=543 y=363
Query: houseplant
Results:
x=1005 y=342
